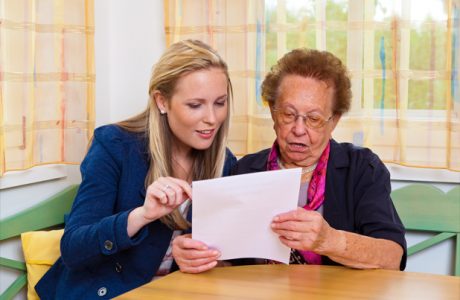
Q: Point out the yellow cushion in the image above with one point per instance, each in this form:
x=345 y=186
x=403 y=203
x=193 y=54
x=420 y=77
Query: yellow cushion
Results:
x=41 y=249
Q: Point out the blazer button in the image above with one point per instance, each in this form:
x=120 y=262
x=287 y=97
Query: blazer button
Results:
x=102 y=291
x=108 y=245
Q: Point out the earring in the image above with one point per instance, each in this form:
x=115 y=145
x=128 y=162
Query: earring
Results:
x=162 y=112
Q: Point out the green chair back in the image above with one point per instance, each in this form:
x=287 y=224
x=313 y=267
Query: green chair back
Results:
x=47 y=213
x=426 y=208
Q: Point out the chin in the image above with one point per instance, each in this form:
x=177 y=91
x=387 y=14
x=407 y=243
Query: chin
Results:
x=297 y=158
x=202 y=146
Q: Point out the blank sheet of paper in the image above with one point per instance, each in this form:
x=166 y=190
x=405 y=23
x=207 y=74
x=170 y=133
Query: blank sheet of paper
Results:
x=233 y=214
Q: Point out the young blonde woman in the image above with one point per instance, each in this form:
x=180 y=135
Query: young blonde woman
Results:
x=136 y=179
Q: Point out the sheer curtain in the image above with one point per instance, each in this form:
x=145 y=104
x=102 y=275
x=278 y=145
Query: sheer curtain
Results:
x=46 y=81
x=403 y=58
x=236 y=30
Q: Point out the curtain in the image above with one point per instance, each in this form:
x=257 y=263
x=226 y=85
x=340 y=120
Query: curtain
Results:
x=403 y=58
x=46 y=82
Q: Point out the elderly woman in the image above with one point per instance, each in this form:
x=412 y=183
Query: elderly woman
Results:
x=345 y=214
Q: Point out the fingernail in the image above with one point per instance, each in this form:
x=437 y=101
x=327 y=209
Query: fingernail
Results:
x=215 y=252
x=276 y=218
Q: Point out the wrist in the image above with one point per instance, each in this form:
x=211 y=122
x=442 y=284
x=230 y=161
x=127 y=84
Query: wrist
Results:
x=334 y=243
x=337 y=243
x=137 y=220
x=145 y=217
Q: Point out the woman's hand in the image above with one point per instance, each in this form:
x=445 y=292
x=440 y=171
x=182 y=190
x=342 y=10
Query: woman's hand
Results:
x=305 y=230
x=161 y=197
x=193 y=256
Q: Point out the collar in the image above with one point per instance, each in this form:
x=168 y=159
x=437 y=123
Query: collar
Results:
x=260 y=164
x=338 y=156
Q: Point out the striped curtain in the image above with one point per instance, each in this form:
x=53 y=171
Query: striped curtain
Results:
x=403 y=57
x=46 y=82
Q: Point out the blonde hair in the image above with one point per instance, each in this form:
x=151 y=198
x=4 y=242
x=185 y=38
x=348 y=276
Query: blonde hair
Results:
x=178 y=60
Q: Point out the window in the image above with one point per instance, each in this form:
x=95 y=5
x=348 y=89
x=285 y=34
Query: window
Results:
x=403 y=58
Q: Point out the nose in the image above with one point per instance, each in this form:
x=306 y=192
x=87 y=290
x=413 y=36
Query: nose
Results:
x=210 y=116
x=299 y=127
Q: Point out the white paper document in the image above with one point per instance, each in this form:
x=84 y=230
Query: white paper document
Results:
x=233 y=214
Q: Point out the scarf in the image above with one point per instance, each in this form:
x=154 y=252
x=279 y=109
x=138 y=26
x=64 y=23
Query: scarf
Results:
x=315 y=195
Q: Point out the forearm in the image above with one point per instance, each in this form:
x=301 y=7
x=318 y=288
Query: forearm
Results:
x=363 y=252
x=85 y=245
x=136 y=221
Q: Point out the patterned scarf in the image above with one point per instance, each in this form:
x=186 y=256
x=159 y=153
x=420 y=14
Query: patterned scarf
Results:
x=315 y=197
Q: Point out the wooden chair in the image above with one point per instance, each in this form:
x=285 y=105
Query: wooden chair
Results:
x=46 y=214
x=426 y=208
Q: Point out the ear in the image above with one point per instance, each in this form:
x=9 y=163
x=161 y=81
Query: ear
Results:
x=272 y=113
x=160 y=101
x=335 y=120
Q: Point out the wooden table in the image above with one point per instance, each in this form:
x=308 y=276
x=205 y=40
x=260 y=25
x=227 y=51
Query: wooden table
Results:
x=299 y=282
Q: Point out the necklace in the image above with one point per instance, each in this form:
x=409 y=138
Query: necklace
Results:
x=304 y=170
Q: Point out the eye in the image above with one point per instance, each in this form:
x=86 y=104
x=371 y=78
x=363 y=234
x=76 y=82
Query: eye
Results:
x=194 y=105
x=315 y=120
x=220 y=102
x=289 y=114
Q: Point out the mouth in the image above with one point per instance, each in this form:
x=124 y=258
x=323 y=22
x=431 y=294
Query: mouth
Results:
x=206 y=134
x=298 y=147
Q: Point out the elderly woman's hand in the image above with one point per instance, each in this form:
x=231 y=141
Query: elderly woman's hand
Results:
x=193 y=256
x=306 y=230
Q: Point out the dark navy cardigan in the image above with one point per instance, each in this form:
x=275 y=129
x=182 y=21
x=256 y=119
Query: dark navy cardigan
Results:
x=357 y=193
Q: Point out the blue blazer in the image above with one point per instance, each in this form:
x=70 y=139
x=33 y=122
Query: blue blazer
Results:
x=98 y=259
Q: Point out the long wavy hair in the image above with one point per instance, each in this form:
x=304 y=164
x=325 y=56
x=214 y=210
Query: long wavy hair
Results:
x=178 y=60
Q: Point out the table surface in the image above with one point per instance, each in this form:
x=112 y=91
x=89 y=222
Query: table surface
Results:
x=299 y=282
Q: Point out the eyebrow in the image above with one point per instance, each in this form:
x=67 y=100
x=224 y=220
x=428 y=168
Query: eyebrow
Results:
x=202 y=99
x=297 y=111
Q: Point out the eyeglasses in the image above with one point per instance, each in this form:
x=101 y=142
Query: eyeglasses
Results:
x=288 y=116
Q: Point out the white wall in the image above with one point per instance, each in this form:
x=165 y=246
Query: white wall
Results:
x=129 y=39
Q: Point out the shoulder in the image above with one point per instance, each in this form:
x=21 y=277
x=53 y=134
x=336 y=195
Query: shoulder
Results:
x=115 y=134
x=117 y=143
x=229 y=156
x=254 y=162
x=230 y=162
x=349 y=154
x=114 y=137
x=358 y=163
x=253 y=157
